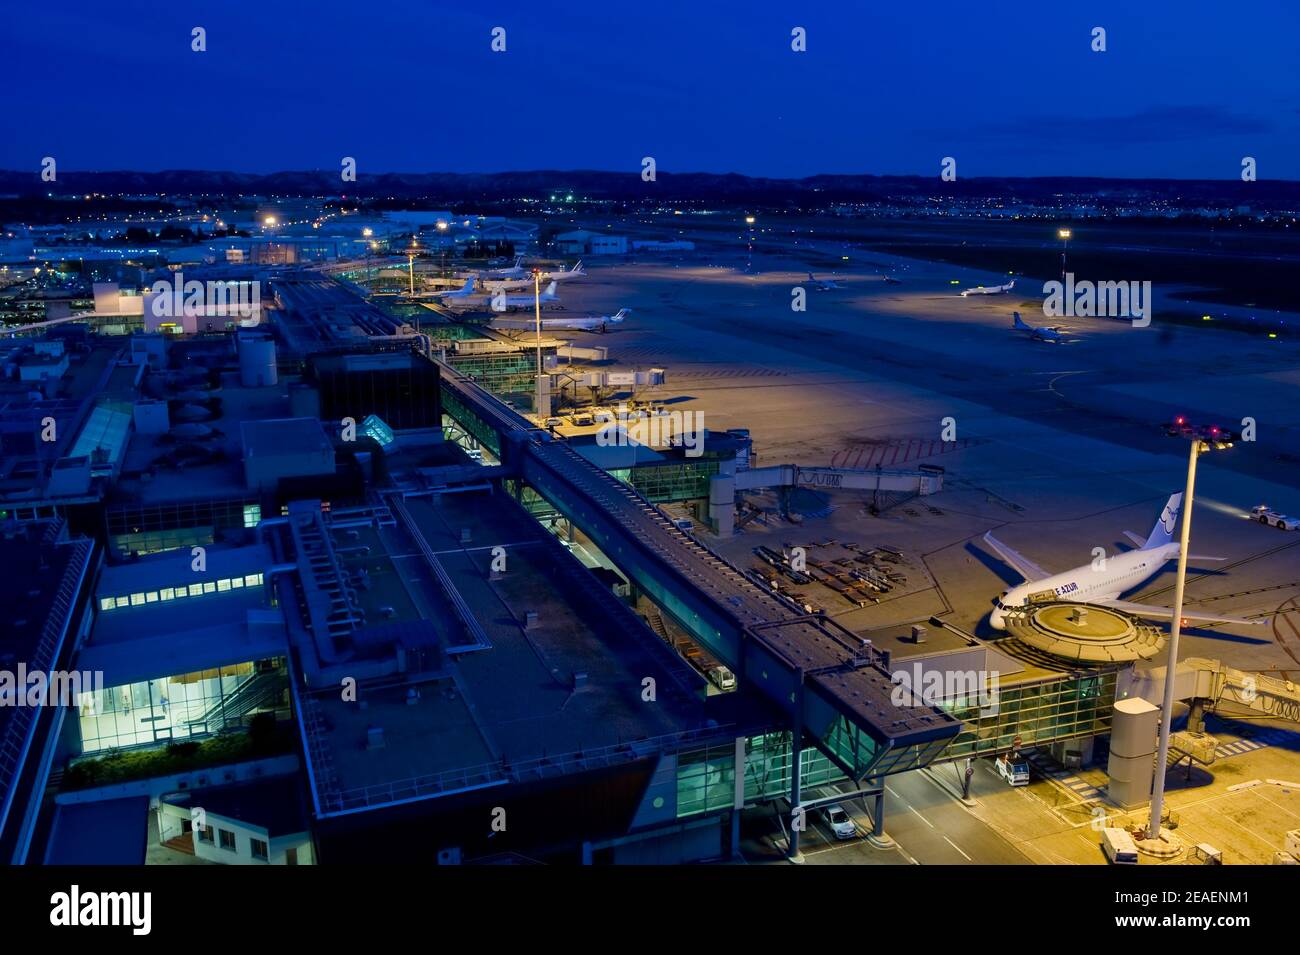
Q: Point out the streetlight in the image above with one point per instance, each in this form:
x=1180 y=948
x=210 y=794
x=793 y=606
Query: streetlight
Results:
x=1201 y=439
x=539 y=409
x=1064 y=236
x=749 y=262
x=410 y=264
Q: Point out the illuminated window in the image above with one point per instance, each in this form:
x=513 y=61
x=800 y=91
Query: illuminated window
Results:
x=106 y=603
x=237 y=582
x=166 y=593
x=124 y=601
x=151 y=597
x=253 y=579
x=223 y=584
x=196 y=590
x=209 y=587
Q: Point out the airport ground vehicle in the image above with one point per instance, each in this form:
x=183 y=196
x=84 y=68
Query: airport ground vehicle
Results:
x=1013 y=769
x=839 y=822
x=582 y=419
x=716 y=673
x=1272 y=518
x=722 y=677
x=1119 y=847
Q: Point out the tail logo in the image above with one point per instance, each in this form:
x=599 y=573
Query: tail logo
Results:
x=1168 y=518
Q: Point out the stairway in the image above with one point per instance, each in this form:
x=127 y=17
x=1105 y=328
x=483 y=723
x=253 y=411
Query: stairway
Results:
x=183 y=843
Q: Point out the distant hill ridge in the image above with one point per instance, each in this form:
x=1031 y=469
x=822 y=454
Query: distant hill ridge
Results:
x=811 y=190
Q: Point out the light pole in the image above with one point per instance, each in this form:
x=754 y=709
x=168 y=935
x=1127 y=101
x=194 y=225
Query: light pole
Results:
x=749 y=259
x=1064 y=236
x=410 y=265
x=542 y=409
x=1201 y=440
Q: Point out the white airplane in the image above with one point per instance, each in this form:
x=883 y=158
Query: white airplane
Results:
x=583 y=323
x=1119 y=574
x=519 y=284
x=516 y=271
x=1042 y=333
x=989 y=289
x=501 y=302
x=823 y=285
x=576 y=272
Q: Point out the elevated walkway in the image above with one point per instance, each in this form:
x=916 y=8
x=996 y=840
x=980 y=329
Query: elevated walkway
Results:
x=815 y=672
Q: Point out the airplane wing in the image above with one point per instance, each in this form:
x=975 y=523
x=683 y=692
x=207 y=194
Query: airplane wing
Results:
x=1137 y=539
x=1025 y=567
x=1166 y=613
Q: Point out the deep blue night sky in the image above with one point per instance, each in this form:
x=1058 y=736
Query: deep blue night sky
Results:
x=1185 y=89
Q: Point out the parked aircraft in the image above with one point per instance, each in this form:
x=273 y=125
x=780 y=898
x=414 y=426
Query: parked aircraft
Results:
x=1117 y=574
x=989 y=289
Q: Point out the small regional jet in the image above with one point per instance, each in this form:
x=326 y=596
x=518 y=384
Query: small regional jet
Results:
x=516 y=271
x=1119 y=574
x=576 y=272
x=1042 y=333
x=501 y=302
x=823 y=285
x=465 y=291
x=989 y=289
x=580 y=323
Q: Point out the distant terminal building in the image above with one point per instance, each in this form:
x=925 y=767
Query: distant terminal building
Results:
x=585 y=242
x=663 y=245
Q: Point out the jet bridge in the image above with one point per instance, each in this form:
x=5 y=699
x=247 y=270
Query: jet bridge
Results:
x=831 y=688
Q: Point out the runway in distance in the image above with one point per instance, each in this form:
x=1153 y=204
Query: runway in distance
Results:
x=1117 y=574
x=989 y=289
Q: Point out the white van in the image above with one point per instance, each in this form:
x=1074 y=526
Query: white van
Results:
x=1119 y=846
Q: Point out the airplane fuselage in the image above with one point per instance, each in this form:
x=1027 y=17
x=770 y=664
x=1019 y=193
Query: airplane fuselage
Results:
x=1119 y=574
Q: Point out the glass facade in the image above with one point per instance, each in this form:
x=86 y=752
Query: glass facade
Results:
x=1074 y=704
x=187 y=706
x=148 y=529
x=706 y=776
x=686 y=480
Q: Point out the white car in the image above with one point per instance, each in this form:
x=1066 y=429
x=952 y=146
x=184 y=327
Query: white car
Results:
x=1272 y=518
x=839 y=822
x=1014 y=771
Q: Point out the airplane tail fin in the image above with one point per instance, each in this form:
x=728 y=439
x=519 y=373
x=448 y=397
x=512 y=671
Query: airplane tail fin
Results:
x=619 y=315
x=577 y=267
x=550 y=290
x=1018 y=322
x=1166 y=524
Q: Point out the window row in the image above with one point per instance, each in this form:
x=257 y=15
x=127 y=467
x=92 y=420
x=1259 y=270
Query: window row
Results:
x=224 y=585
